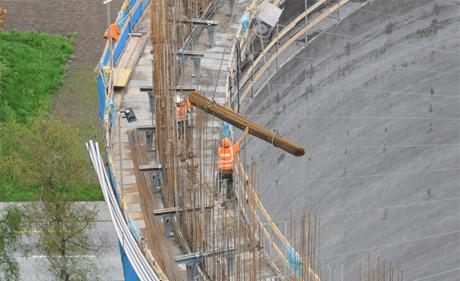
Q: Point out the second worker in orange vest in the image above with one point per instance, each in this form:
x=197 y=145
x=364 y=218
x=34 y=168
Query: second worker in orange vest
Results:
x=226 y=158
x=182 y=109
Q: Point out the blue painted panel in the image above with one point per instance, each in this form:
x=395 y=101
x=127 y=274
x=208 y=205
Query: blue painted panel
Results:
x=144 y=4
x=136 y=16
x=105 y=61
x=121 y=45
x=130 y=274
x=131 y=4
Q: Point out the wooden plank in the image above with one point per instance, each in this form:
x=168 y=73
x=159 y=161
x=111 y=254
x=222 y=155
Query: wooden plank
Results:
x=288 y=43
x=242 y=123
x=121 y=77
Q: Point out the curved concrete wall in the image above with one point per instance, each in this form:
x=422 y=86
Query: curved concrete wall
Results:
x=375 y=102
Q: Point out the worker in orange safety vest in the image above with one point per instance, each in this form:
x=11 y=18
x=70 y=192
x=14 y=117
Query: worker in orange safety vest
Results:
x=114 y=32
x=183 y=107
x=226 y=156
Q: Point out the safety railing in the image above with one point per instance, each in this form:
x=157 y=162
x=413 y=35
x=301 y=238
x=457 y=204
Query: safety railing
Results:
x=128 y=17
x=242 y=43
x=283 y=39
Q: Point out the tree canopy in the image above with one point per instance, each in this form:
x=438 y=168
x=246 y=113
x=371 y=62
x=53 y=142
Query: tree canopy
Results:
x=48 y=158
x=45 y=153
x=10 y=235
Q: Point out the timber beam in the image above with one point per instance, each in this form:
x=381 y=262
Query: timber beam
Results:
x=242 y=123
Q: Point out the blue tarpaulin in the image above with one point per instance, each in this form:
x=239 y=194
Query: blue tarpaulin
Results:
x=244 y=21
x=294 y=261
x=112 y=111
x=227 y=130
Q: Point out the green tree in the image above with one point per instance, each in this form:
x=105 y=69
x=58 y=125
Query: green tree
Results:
x=49 y=158
x=10 y=236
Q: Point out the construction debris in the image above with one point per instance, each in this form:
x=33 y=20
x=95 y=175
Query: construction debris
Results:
x=241 y=122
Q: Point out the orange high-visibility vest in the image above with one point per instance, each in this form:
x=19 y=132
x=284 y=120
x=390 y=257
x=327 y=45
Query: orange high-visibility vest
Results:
x=114 y=32
x=181 y=111
x=226 y=156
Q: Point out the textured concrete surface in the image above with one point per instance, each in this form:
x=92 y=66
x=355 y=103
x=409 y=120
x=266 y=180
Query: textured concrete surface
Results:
x=375 y=102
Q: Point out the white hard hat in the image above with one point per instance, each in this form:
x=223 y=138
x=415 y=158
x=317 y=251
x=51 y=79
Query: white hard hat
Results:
x=177 y=99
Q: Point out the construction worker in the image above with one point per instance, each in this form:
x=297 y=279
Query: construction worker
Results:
x=226 y=156
x=182 y=121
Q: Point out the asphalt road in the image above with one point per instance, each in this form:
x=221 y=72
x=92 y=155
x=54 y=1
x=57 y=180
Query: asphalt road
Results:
x=375 y=102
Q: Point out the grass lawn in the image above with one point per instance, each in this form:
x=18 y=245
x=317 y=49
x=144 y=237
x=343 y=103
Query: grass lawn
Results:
x=33 y=67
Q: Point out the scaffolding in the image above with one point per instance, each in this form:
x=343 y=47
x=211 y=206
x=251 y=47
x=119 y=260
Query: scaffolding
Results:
x=218 y=238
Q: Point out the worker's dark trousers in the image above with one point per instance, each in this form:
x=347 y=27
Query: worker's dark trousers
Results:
x=222 y=176
x=182 y=127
